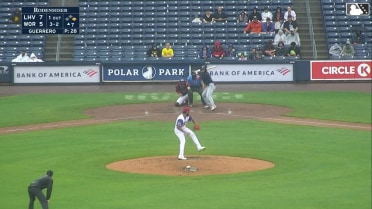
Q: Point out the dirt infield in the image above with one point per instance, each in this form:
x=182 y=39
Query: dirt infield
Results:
x=201 y=164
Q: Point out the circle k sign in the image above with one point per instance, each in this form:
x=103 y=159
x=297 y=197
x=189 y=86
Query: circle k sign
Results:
x=341 y=70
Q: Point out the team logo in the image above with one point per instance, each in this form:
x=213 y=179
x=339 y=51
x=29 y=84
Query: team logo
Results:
x=4 y=70
x=148 y=72
x=356 y=9
x=283 y=70
x=90 y=72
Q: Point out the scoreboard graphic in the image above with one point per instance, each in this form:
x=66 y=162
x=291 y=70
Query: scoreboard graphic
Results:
x=50 y=20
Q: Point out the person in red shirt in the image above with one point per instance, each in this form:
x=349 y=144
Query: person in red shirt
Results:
x=218 y=51
x=254 y=26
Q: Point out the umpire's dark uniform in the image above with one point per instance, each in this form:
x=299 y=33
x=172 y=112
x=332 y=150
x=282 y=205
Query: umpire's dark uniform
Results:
x=195 y=86
x=36 y=187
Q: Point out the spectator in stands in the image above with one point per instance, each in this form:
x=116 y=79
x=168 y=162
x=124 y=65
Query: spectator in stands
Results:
x=243 y=17
x=16 y=18
x=196 y=19
x=208 y=17
x=256 y=14
x=205 y=53
x=255 y=54
x=280 y=50
x=278 y=25
x=293 y=50
x=220 y=15
x=218 y=51
x=358 y=37
x=289 y=12
x=268 y=26
x=280 y=36
x=154 y=51
x=231 y=51
x=289 y=25
x=23 y=57
x=348 y=50
x=293 y=37
x=254 y=26
x=33 y=58
x=266 y=14
x=242 y=56
x=335 y=50
x=278 y=19
x=278 y=14
x=167 y=51
x=269 y=49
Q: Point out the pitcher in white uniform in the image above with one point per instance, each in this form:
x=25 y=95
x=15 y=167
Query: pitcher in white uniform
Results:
x=181 y=131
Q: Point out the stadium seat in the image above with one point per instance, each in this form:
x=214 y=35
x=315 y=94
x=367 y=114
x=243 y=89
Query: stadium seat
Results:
x=333 y=35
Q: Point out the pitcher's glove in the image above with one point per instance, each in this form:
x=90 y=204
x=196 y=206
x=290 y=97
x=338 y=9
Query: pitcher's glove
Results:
x=197 y=127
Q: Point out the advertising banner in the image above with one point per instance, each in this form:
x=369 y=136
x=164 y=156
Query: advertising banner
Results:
x=341 y=70
x=5 y=75
x=57 y=74
x=251 y=72
x=144 y=72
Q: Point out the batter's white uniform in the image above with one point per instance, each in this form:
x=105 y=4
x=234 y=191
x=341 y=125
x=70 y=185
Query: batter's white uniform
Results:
x=181 y=123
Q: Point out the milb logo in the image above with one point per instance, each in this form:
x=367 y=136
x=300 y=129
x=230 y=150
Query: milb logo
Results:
x=356 y=9
x=4 y=70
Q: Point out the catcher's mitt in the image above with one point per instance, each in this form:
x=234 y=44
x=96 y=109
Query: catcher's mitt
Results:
x=197 y=127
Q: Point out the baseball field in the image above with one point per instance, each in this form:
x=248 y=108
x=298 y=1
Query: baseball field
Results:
x=324 y=163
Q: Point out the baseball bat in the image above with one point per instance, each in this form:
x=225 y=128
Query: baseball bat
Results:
x=211 y=67
x=208 y=68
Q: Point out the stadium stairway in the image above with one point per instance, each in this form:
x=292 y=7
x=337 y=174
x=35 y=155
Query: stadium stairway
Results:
x=318 y=27
x=64 y=43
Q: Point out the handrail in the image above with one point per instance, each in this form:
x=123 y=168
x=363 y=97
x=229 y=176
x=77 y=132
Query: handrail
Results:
x=311 y=30
x=59 y=39
x=58 y=48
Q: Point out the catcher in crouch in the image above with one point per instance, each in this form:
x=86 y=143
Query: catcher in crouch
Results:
x=182 y=131
x=182 y=91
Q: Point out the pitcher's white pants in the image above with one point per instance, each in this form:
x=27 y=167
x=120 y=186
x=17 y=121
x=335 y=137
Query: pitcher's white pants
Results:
x=182 y=137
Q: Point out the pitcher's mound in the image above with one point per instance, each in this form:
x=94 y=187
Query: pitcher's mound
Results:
x=200 y=165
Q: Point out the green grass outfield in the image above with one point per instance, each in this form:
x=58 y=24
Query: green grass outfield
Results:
x=315 y=167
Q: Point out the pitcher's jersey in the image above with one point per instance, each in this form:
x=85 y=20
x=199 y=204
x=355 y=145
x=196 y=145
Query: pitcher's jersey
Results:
x=182 y=121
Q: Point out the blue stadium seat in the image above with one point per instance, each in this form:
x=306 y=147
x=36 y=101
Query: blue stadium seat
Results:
x=331 y=24
x=330 y=12
x=345 y=35
x=333 y=35
x=327 y=2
